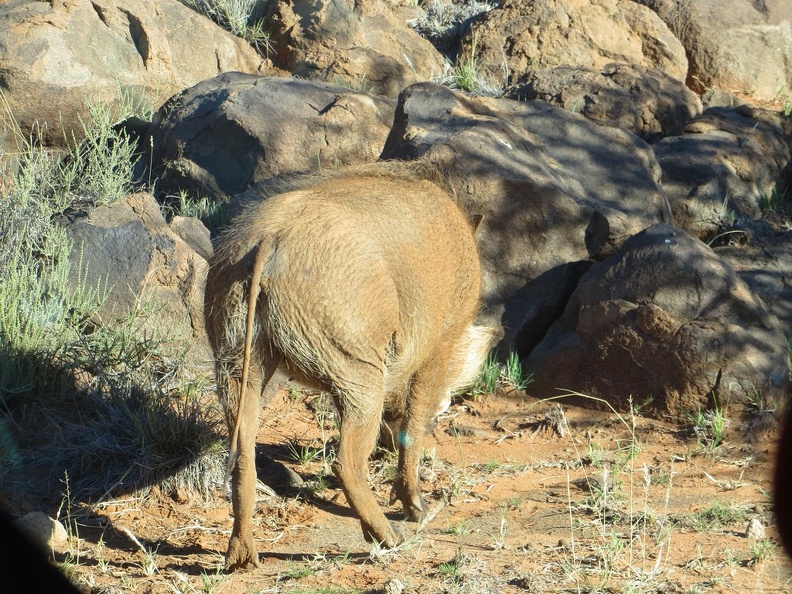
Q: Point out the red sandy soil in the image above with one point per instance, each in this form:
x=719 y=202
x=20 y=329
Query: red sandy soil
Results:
x=531 y=497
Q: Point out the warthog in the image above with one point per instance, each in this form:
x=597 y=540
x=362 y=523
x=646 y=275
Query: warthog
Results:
x=364 y=283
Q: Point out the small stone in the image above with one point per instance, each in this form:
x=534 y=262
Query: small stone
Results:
x=394 y=586
x=755 y=530
x=43 y=531
x=295 y=480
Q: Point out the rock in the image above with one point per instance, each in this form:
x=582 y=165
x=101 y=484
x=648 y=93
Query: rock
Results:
x=644 y=101
x=43 y=531
x=727 y=161
x=360 y=43
x=746 y=49
x=554 y=187
x=755 y=530
x=394 y=586
x=766 y=268
x=227 y=133
x=664 y=318
x=128 y=248
x=56 y=55
x=279 y=477
x=521 y=36
x=530 y=312
x=195 y=234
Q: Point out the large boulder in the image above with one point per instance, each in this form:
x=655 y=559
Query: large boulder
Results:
x=766 y=268
x=230 y=132
x=54 y=56
x=554 y=187
x=664 y=318
x=521 y=36
x=722 y=171
x=128 y=249
x=644 y=101
x=744 y=49
x=361 y=43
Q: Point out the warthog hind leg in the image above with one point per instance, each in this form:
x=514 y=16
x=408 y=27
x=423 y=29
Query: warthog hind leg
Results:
x=358 y=435
x=242 y=551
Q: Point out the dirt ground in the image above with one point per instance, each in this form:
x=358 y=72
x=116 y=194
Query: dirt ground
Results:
x=531 y=497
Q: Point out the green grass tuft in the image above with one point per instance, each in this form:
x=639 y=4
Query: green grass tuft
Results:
x=495 y=375
x=212 y=213
x=709 y=427
x=240 y=17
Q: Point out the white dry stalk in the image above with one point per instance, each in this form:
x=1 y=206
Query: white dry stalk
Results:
x=150 y=566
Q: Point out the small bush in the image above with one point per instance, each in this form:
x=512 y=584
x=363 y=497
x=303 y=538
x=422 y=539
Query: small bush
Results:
x=131 y=436
x=445 y=22
x=719 y=516
x=109 y=404
x=240 y=17
x=464 y=76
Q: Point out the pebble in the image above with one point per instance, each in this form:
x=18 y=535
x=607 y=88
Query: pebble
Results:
x=394 y=586
x=755 y=530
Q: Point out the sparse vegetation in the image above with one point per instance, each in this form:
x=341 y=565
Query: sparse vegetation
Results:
x=361 y=85
x=709 y=427
x=296 y=572
x=488 y=378
x=212 y=213
x=445 y=22
x=512 y=374
x=495 y=375
x=761 y=550
x=210 y=582
x=303 y=454
x=726 y=231
x=243 y=18
x=322 y=590
x=464 y=75
x=718 y=516
x=621 y=532
x=135 y=416
x=459 y=529
x=784 y=97
x=679 y=18
x=789 y=349
x=449 y=568
x=772 y=200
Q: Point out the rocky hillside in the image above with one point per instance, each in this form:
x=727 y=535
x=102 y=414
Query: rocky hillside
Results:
x=632 y=160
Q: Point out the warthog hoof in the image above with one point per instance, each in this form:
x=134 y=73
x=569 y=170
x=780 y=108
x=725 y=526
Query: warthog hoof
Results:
x=391 y=539
x=413 y=504
x=241 y=554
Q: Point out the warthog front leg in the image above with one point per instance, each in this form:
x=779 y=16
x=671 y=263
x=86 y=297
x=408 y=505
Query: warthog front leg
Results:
x=422 y=405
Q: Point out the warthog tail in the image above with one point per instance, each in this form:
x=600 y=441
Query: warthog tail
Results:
x=263 y=253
